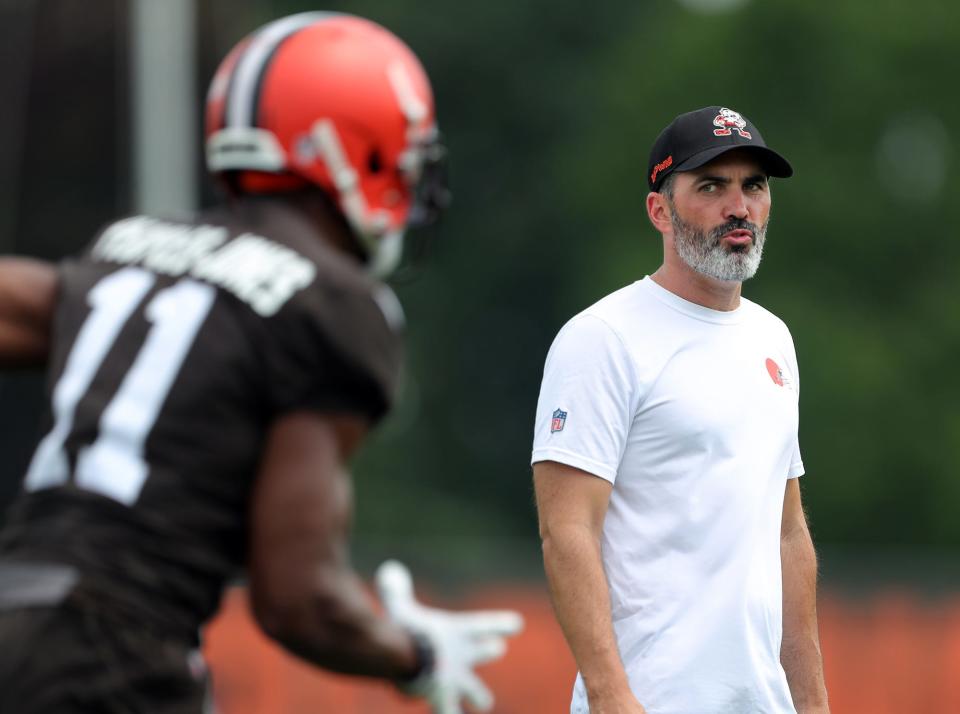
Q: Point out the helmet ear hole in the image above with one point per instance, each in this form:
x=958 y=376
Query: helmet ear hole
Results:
x=375 y=162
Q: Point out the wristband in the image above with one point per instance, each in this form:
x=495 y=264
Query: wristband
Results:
x=426 y=660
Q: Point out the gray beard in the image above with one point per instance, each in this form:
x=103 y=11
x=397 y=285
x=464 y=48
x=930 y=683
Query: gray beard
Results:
x=706 y=254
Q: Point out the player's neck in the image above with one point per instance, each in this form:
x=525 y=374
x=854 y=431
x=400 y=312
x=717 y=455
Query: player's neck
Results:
x=683 y=281
x=317 y=210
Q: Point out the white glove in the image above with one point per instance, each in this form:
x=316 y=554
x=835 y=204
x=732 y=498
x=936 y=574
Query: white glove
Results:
x=460 y=641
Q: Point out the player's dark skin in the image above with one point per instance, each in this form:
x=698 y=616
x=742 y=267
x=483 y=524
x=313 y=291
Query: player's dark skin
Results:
x=28 y=294
x=304 y=591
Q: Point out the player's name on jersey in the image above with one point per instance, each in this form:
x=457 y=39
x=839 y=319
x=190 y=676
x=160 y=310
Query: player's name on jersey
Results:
x=259 y=271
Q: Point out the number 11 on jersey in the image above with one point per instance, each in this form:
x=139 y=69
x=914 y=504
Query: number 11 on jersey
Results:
x=114 y=465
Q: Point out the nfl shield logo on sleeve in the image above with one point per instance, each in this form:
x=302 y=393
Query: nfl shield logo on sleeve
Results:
x=559 y=419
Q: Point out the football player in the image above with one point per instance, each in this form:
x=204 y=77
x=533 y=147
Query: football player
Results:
x=210 y=378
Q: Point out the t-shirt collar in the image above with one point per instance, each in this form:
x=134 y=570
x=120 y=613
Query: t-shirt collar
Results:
x=691 y=309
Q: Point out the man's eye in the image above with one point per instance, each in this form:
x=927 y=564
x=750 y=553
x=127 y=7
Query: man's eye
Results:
x=708 y=188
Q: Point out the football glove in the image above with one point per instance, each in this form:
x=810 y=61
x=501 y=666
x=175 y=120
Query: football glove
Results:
x=459 y=640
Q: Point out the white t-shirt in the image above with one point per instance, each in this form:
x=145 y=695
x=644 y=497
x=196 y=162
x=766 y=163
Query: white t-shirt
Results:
x=692 y=414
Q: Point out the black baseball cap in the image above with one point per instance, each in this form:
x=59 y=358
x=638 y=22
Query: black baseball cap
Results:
x=694 y=138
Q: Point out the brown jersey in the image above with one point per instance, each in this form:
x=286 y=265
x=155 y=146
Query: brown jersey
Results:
x=176 y=344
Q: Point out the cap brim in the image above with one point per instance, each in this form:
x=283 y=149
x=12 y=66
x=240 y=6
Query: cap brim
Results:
x=774 y=164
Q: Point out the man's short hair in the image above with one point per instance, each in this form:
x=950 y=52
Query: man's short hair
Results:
x=666 y=188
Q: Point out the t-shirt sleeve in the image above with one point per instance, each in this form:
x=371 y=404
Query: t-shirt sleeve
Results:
x=587 y=399
x=332 y=349
x=796 y=461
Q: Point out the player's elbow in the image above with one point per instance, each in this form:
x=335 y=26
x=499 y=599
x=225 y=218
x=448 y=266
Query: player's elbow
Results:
x=279 y=619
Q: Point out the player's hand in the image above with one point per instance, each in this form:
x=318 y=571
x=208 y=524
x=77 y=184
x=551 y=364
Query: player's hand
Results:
x=460 y=641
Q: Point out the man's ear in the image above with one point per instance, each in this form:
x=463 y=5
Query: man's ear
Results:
x=658 y=211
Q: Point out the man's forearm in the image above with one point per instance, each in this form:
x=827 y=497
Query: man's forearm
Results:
x=800 y=651
x=581 y=599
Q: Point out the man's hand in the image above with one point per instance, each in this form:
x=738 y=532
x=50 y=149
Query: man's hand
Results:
x=460 y=641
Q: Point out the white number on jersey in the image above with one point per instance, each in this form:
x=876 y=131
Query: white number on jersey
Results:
x=114 y=465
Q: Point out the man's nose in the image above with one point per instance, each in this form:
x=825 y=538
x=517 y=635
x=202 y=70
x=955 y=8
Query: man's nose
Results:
x=737 y=205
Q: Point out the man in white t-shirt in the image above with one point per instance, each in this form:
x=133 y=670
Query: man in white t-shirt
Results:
x=666 y=459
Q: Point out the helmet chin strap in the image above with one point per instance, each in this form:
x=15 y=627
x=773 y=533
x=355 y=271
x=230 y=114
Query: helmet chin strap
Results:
x=386 y=256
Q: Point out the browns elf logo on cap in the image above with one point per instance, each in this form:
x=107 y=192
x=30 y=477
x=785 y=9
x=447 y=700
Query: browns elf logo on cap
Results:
x=730 y=121
x=696 y=138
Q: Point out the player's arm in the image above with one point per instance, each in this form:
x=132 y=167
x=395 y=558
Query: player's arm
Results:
x=28 y=293
x=571 y=506
x=304 y=592
x=306 y=595
x=800 y=650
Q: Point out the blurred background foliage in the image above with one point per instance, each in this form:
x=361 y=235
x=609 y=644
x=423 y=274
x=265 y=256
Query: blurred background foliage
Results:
x=549 y=110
